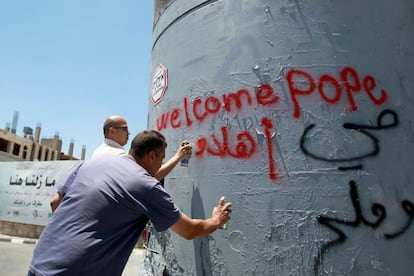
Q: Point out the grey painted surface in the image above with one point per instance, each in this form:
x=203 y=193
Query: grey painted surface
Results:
x=319 y=163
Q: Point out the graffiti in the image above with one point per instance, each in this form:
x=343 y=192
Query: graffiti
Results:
x=268 y=125
x=381 y=124
x=300 y=83
x=200 y=109
x=245 y=148
x=378 y=210
x=349 y=79
x=387 y=119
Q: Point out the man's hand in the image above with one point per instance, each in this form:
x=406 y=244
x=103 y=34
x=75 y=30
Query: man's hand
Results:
x=222 y=212
x=190 y=228
x=184 y=150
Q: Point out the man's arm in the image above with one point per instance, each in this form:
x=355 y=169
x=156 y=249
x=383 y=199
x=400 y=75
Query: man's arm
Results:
x=183 y=151
x=190 y=228
x=57 y=198
x=54 y=203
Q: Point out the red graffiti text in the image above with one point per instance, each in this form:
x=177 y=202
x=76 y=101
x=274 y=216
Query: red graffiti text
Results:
x=242 y=145
x=200 y=108
x=349 y=82
x=244 y=148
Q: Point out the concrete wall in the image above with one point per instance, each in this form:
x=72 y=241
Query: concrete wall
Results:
x=301 y=115
x=21 y=229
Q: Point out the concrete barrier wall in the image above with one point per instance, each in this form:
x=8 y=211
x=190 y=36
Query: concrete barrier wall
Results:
x=21 y=229
x=300 y=113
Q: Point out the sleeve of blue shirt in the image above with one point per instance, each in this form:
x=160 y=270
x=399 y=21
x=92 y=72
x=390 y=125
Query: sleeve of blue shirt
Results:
x=163 y=213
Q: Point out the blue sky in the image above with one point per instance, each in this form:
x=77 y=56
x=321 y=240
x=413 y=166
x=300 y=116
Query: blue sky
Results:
x=67 y=65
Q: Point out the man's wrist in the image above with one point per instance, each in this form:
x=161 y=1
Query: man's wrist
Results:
x=215 y=223
x=177 y=158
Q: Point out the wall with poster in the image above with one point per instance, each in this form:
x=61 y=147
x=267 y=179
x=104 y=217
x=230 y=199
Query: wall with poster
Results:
x=26 y=189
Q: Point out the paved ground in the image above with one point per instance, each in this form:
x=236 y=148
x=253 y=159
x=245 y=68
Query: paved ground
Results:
x=16 y=254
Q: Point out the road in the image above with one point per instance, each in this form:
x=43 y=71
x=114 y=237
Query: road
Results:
x=15 y=258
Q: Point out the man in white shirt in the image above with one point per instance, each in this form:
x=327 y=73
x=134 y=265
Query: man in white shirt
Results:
x=116 y=135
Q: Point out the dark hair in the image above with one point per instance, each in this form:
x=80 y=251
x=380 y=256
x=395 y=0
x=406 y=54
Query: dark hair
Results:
x=146 y=141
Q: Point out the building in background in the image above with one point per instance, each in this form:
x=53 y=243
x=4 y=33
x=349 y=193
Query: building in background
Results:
x=31 y=148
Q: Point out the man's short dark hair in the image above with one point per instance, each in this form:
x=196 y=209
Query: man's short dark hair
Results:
x=146 y=141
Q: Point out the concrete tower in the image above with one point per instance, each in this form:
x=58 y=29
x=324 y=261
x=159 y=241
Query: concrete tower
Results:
x=15 y=122
x=301 y=114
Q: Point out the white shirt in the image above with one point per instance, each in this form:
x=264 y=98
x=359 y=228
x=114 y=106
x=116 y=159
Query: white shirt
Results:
x=108 y=148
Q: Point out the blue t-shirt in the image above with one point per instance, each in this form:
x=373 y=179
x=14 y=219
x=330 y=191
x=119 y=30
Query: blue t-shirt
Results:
x=103 y=212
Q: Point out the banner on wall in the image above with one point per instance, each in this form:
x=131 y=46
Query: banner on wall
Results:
x=26 y=189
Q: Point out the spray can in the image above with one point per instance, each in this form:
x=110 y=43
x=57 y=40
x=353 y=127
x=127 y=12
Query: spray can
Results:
x=186 y=160
x=224 y=227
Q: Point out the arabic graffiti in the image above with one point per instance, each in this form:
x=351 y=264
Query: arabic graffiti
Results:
x=387 y=119
x=381 y=124
x=377 y=210
x=245 y=148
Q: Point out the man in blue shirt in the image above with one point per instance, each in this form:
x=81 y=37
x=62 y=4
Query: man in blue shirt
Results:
x=116 y=135
x=107 y=203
